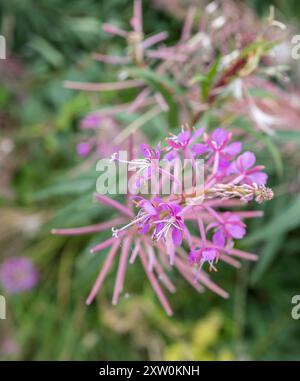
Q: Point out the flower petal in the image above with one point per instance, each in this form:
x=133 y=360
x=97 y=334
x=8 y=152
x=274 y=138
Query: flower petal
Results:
x=259 y=178
x=233 y=149
x=177 y=236
x=200 y=149
x=197 y=134
x=149 y=208
x=145 y=228
x=146 y=150
x=220 y=136
x=246 y=161
x=237 y=231
x=219 y=238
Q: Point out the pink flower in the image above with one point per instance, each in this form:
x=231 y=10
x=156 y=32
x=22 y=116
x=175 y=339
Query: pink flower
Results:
x=18 y=274
x=218 y=148
x=150 y=153
x=228 y=227
x=201 y=255
x=149 y=212
x=83 y=149
x=159 y=234
x=146 y=167
x=163 y=218
x=172 y=224
x=181 y=140
x=247 y=172
x=90 y=121
x=184 y=141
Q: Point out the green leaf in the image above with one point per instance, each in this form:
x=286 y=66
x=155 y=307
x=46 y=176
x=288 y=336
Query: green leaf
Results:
x=268 y=253
x=207 y=81
x=259 y=47
x=267 y=141
x=287 y=220
x=165 y=86
x=288 y=136
x=73 y=108
x=65 y=188
x=261 y=93
x=197 y=78
x=275 y=153
x=47 y=51
x=4 y=97
x=150 y=75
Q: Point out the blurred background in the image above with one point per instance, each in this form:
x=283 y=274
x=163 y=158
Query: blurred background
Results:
x=52 y=40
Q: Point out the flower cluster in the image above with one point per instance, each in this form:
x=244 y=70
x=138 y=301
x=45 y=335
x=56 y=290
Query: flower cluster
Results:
x=190 y=227
x=187 y=228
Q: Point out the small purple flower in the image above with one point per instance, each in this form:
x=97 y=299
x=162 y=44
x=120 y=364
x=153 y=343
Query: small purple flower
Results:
x=171 y=223
x=147 y=166
x=9 y=347
x=247 y=172
x=217 y=145
x=181 y=140
x=90 y=121
x=18 y=274
x=205 y=254
x=83 y=149
x=149 y=211
x=230 y=228
x=149 y=152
